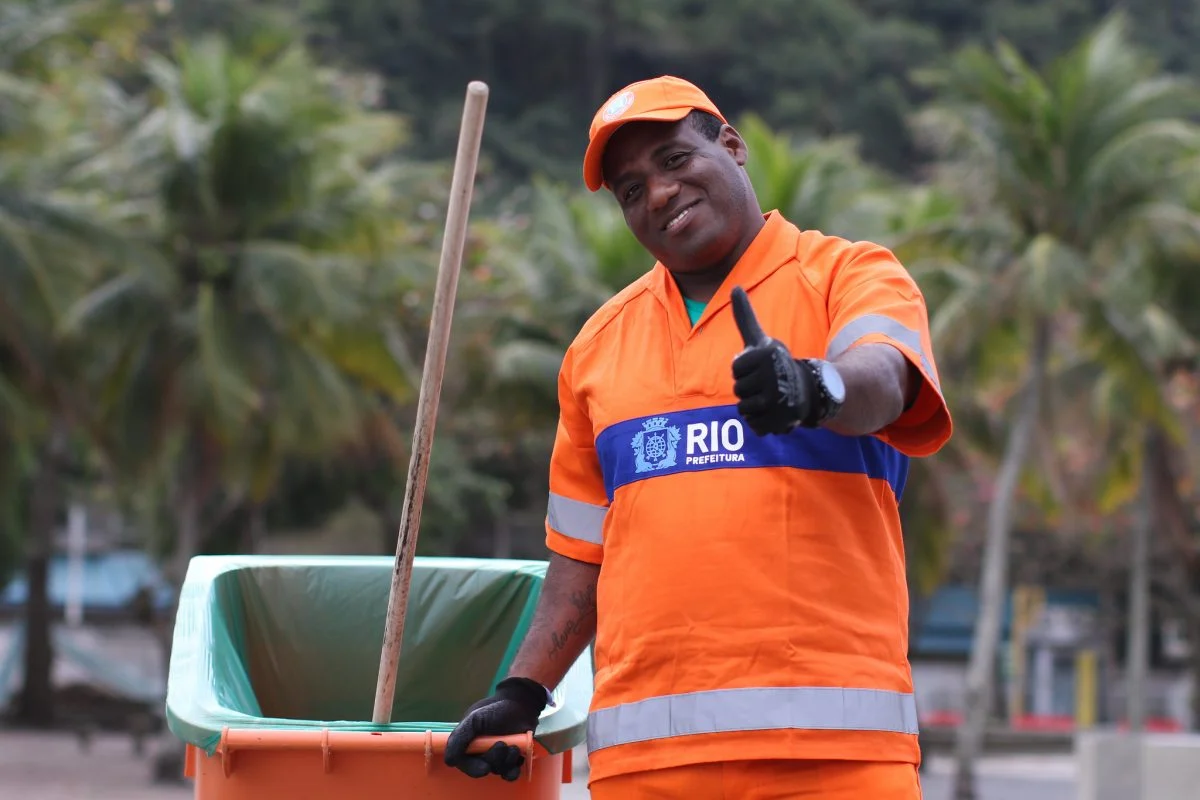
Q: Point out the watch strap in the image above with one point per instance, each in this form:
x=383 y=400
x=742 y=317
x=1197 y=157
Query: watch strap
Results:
x=822 y=405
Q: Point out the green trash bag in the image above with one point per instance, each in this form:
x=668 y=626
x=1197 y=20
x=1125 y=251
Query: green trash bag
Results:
x=294 y=642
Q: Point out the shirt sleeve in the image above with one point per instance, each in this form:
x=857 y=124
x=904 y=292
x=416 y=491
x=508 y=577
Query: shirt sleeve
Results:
x=873 y=298
x=578 y=502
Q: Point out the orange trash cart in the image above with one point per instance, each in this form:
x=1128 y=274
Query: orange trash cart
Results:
x=273 y=667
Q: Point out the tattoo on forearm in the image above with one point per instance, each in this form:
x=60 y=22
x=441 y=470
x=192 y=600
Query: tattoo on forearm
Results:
x=585 y=602
x=560 y=640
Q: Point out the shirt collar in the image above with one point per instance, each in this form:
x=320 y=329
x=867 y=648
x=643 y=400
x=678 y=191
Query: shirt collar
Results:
x=772 y=247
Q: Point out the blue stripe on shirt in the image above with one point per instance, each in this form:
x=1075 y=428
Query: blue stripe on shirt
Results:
x=716 y=438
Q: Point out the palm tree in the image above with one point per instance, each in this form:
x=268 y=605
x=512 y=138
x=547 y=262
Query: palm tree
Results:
x=52 y=239
x=569 y=253
x=1138 y=391
x=1061 y=171
x=822 y=184
x=253 y=335
x=259 y=324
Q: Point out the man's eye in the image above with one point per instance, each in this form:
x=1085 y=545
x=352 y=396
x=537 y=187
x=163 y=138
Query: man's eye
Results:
x=631 y=192
x=675 y=160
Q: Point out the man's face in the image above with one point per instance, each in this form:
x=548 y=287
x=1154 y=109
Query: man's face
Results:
x=686 y=199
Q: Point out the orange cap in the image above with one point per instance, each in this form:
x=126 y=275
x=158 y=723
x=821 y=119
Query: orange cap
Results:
x=662 y=99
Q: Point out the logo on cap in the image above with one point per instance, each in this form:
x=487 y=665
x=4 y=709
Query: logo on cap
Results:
x=618 y=105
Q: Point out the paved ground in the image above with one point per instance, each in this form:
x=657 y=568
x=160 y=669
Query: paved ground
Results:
x=1007 y=778
x=52 y=766
x=939 y=788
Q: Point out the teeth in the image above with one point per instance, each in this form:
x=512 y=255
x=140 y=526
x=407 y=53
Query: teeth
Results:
x=678 y=218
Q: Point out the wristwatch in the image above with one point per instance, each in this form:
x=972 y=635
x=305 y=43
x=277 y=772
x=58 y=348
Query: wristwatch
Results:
x=830 y=391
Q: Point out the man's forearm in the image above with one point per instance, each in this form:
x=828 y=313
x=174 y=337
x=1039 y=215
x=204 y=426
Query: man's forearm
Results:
x=564 y=622
x=880 y=384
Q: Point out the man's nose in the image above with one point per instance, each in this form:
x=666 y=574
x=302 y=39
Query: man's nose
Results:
x=661 y=192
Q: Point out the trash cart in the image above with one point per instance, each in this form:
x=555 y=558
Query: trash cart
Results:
x=274 y=664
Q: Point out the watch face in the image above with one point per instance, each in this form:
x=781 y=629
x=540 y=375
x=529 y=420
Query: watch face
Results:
x=833 y=382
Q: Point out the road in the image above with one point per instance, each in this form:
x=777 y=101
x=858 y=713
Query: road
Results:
x=52 y=766
x=1007 y=778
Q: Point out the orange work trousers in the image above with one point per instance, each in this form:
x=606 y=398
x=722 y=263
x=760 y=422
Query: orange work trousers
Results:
x=767 y=780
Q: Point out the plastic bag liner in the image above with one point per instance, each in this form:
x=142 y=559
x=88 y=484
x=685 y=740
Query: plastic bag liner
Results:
x=294 y=642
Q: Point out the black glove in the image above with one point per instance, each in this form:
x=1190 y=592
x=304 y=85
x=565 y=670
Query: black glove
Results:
x=775 y=392
x=514 y=708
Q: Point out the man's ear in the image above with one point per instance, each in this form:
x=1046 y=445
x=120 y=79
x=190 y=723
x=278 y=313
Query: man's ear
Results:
x=732 y=141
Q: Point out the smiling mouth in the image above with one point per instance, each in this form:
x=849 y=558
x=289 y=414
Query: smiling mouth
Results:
x=684 y=213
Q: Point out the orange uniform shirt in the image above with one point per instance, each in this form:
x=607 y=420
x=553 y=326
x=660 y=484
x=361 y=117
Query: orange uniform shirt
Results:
x=752 y=600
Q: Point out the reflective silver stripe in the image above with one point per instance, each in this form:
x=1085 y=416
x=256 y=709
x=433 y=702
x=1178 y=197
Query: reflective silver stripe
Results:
x=878 y=323
x=756 y=709
x=576 y=519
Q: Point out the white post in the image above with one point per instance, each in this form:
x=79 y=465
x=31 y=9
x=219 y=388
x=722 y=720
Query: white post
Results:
x=76 y=548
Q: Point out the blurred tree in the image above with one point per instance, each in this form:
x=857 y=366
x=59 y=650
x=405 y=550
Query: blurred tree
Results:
x=14 y=469
x=559 y=255
x=260 y=330
x=822 y=69
x=1062 y=171
x=575 y=252
x=253 y=336
x=216 y=268
x=1162 y=440
x=52 y=239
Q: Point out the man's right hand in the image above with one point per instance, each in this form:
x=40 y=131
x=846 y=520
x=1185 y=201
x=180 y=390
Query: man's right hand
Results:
x=513 y=708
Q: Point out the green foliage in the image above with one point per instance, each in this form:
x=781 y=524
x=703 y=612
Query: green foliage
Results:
x=570 y=252
x=834 y=68
x=220 y=226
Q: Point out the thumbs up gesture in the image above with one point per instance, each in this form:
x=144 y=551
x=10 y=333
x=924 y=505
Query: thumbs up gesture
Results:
x=775 y=392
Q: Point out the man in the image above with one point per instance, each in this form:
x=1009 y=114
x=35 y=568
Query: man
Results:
x=732 y=447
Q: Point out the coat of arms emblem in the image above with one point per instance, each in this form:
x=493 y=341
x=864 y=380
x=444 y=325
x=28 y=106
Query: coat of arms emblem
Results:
x=655 y=446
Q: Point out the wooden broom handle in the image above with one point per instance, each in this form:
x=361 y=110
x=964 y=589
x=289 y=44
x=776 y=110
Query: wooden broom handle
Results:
x=461 y=186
